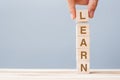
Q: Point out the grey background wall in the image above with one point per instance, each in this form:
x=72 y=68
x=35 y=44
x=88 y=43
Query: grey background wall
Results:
x=40 y=34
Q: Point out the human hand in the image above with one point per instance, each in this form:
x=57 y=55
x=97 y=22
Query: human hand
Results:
x=92 y=4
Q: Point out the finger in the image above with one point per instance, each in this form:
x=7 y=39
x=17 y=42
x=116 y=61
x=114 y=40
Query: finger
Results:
x=92 y=7
x=82 y=2
x=71 y=4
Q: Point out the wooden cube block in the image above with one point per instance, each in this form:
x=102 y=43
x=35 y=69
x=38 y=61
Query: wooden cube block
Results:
x=83 y=67
x=82 y=55
x=82 y=15
x=82 y=30
x=82 y=42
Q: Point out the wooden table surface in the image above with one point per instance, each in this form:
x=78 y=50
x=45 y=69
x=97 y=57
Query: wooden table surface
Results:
x=58 y=74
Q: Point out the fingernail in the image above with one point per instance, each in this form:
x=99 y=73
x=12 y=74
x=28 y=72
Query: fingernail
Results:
x=91 y=14
x=71 y=16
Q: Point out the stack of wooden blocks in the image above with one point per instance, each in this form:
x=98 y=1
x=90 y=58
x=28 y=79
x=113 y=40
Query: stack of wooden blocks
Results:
x=82 y=41
x=83 y=58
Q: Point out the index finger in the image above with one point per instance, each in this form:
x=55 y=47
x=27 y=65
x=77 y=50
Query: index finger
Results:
x=92 y=7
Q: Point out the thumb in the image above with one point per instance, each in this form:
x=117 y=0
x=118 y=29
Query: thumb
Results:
x=92 y=7
x=71 y=4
